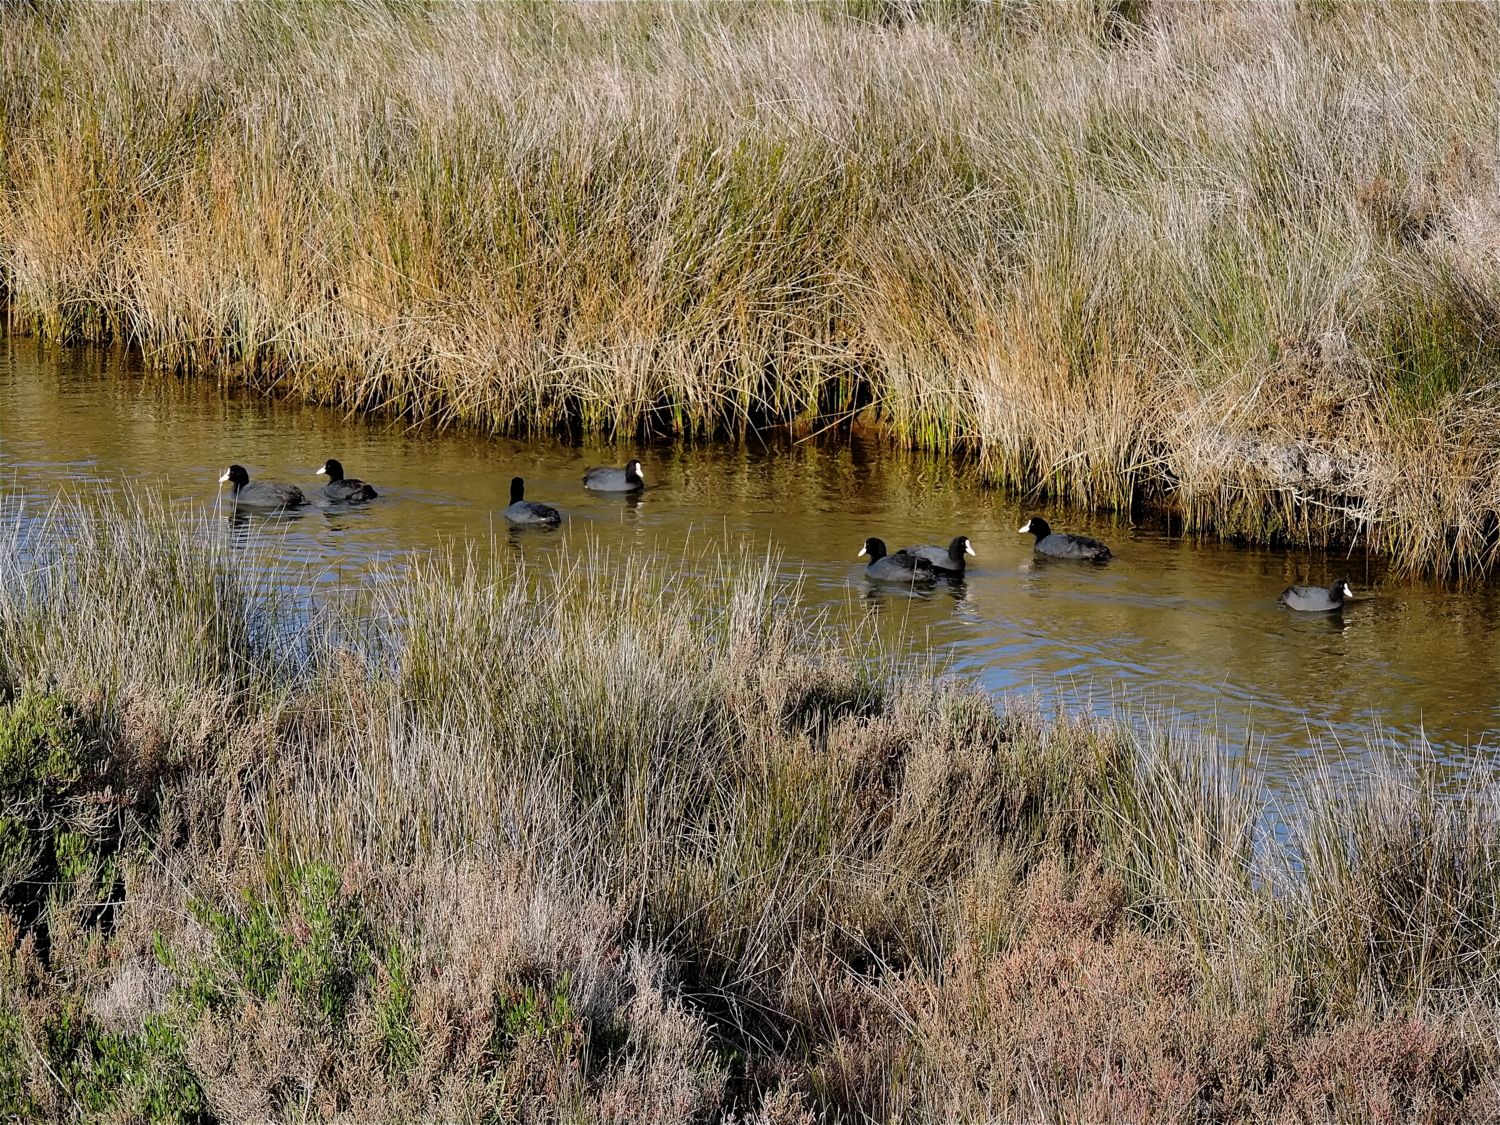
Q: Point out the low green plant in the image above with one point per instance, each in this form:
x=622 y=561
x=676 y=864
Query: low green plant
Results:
x=399 y=1046
x=49 y=837
x=41 y=747
x=110 y=1075
x=539 y=1015
x=312 y=949
x=15 y=1103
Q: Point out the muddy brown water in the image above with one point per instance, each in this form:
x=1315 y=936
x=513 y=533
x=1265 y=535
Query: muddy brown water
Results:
x=1177 y=634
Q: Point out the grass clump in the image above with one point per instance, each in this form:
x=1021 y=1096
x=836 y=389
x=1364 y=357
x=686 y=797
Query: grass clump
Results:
x=1230 y=260
x=62 y=831
x=40 y=764
x=639 y=840
x=59 y=822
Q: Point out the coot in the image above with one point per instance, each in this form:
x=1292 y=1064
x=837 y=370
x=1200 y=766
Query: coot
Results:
x=340 y=487
x=1316 y=599
x=522 y=510
x=263 y=493
x=900 y=567
x=950 y=557
x=1060 y=546
x=605 y=479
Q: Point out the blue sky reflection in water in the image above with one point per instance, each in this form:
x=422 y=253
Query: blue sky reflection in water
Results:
x=1191 y=631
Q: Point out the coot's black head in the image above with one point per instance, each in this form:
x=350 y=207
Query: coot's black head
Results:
x=1037 y=526
x=333 y=470
x=633 y=471
x=960 y=547
x=236 y=476
x=517 y=490
x=1340 y=589
x=875 y=548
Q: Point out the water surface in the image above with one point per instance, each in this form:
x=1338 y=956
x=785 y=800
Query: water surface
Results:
x=1189 y=631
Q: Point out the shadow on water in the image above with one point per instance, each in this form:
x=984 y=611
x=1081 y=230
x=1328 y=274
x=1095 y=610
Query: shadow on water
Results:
x=1191 y=632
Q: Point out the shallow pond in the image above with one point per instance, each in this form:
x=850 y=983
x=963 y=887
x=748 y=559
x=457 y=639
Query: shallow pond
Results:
x=1189 y=634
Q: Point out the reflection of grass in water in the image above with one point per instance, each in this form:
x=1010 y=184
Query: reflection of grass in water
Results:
x=633 y=840
x=1233 y=259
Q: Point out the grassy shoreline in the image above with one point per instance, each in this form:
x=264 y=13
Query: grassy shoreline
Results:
x=1235 y=261
x=490 y=844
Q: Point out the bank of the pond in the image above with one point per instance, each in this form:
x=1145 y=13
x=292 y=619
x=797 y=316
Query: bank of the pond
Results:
x=608 y=844
x=1237 y=261
x=1170 y=630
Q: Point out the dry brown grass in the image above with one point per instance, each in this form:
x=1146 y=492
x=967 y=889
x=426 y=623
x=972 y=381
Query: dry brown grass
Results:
x=1082 y=1017
x=633 y=841
x=1237 y=260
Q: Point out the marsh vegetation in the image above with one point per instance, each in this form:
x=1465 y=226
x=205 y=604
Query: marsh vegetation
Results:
x=1233 y=260
x=631 y=841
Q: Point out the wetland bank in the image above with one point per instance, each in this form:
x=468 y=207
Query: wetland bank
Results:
x=1236 y=260
x=638 y=836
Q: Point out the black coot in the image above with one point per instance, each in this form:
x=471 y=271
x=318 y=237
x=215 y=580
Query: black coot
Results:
x=605 y=479
x=950 y=557
x=522 y=510
x=340 y=487
x=900 y=567
x=261 y=494
x=1060 y=546
x=1317 y=599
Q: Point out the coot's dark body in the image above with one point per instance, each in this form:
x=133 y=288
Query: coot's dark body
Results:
x=262 y=493
x=900 y=567
x=522 y=510
x=1317 y=599
x=341 y=488
x=1060 y=546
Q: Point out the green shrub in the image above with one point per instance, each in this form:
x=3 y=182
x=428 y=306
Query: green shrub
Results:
x=41 y=748
x=110 y=1076
x=15 y=1103
x=46 y=836
x=314 y=950
x=399 y=1046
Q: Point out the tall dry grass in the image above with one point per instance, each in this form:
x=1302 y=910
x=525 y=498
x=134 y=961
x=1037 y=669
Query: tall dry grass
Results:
x=1237 y=260
x=639 y=840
